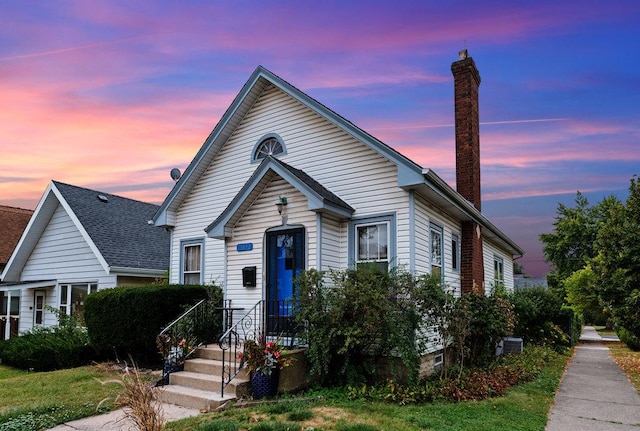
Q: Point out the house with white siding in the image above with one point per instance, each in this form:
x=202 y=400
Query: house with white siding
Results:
x=79 y=241
x=284 y=184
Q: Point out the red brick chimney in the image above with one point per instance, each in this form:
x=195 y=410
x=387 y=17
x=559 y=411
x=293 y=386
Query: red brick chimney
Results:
x=467 y=120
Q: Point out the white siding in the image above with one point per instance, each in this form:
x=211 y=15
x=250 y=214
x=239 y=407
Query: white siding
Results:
x=360 y=176
x=62 y=253
x=490 y=251
x=425 y=215
x=334 y=244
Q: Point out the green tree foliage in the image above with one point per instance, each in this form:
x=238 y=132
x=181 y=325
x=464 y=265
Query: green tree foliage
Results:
x=617 y=264
x=572 y=244
x=583 y=292
x=596 y=252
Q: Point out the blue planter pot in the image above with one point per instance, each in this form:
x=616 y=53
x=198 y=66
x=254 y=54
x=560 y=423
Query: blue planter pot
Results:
x=170 y=368
x=264 y=386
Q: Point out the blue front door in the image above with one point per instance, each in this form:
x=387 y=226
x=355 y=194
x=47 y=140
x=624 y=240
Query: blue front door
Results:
x=285 y=261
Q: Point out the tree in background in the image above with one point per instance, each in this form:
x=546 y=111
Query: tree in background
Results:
x=617 y=265
x=596 y=252
x=572 y=244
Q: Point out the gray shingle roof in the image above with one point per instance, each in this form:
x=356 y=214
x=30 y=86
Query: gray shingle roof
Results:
x=119 y=228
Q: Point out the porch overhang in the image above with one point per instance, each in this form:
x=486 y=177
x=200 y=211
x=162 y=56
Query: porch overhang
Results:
x=319 y=198
x=23 y=285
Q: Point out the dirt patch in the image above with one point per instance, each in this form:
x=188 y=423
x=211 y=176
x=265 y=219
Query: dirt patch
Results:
x=329 y=416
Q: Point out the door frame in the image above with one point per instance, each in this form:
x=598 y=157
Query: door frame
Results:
x=36 y=294
x=278 y=313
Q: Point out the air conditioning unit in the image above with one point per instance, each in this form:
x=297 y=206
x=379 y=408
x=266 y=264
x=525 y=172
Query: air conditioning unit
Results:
x=511 y=345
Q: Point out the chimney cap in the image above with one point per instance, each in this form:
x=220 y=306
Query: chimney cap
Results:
x=463 y=54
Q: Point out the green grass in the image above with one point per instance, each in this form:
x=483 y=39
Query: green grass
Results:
x=525 y=407
x=32 y=401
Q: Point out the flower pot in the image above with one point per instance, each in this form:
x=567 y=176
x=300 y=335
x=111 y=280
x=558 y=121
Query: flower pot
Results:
x=170 y=367
x=264 y=386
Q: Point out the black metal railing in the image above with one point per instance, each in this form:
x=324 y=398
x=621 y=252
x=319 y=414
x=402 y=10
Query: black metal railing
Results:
x=180 y=339
x=270 y=319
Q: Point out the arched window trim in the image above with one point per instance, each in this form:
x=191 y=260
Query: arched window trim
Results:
x=258 y=146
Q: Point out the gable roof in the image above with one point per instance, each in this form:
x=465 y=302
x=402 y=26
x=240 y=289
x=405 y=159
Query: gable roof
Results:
x=410 y=174
x=319 y=198
x=114 y=227
x=13 y=221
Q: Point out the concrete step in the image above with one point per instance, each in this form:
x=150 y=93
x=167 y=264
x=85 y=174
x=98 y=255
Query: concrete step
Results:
x=205 y=382
x=213 y=351
x=209 y=367
x=193 y=398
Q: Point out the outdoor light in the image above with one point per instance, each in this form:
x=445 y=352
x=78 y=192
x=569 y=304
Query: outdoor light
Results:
x=282 y=205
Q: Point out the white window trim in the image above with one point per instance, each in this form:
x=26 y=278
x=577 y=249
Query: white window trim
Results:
x=258 y=144
x=440 y=231
x=498 y=276
x=191 y=243
x=455 y=238
x=91 y=286
x=354 y=223
x=357 y=242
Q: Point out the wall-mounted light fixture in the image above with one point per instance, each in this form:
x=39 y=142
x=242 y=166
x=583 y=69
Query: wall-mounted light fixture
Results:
x=281 y=204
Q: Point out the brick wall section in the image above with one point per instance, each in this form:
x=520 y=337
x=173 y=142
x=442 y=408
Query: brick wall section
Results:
x=467 y=125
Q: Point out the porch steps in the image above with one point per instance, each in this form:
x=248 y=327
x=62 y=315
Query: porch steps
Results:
x=198 y=386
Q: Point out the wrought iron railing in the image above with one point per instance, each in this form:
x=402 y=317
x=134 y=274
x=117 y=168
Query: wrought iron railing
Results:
x=180 y=339
x=265 y=318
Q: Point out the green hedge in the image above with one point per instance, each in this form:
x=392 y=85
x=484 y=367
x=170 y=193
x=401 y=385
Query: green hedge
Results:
x=125 y=321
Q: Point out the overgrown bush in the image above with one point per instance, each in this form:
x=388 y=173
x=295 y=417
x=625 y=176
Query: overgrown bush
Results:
x=472 y=384
x=125 y=321
x=628 y=338
x=44 y=349
x=361 y=317
x=539 y=312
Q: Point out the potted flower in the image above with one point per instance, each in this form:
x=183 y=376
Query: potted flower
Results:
x=264 y=360
x=174 y=352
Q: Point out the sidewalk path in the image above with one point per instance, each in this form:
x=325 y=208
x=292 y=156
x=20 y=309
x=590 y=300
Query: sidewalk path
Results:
x=115 y=420
x=594 y=394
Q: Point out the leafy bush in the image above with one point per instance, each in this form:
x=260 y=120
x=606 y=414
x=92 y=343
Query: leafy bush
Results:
x=539 y=313
x=44 y=349
x=126 y=320
x=472 y=384
x=628 y=338
x=361 y=319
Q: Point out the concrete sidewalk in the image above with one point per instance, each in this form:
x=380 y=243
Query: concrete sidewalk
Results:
x=594 y=394
x=116 y=421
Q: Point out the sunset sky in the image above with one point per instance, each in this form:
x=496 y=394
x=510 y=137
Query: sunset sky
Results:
x=111 y=95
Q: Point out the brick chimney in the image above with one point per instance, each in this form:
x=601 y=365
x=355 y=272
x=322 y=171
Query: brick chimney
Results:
x=467 y=120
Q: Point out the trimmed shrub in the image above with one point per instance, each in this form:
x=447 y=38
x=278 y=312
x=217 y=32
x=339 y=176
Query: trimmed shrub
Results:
x=45 y=349
x=125 y=321
x=628 y=338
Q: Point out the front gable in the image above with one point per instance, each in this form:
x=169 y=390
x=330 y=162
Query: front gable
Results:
x=52 y=203
x=318 y=198
x=264 y=86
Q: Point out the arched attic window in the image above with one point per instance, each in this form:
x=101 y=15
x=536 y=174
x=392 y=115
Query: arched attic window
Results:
x=269 y=145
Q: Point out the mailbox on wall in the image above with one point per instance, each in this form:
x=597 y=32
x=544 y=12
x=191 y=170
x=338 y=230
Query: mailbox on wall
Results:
x=249 y=276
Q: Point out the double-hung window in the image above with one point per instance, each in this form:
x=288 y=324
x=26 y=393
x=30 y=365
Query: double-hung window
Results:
x=372 y=241
x=498 y=271
x=373 y=245
x=455 y=253
x=437 y=251
x=191 y=261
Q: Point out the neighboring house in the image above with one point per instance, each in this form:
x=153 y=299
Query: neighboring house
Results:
x=521 y=282
x=12 y=223
x=347 y=199
x=79 y=241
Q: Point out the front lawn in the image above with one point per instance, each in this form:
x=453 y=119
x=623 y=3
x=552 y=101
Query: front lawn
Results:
x=32 y=400
x=525 y=407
